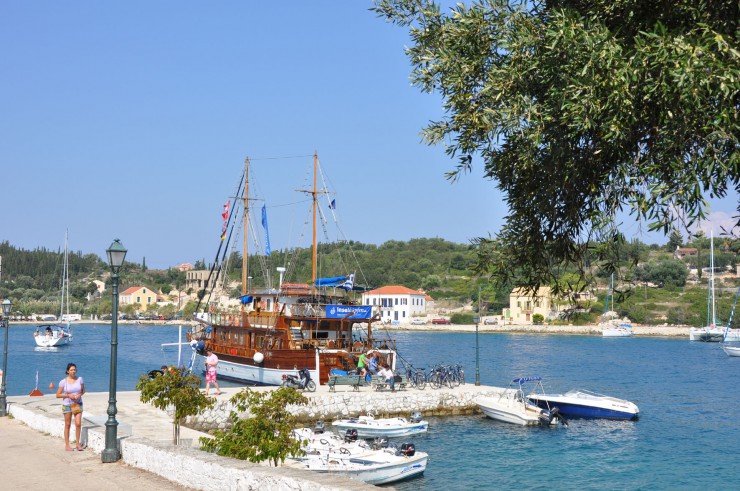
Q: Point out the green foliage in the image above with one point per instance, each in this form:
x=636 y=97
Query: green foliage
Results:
x=665 y=272
x=266 y=434
x=465 y=318
x=578 y=110
x=538 y=318
x=176 y=390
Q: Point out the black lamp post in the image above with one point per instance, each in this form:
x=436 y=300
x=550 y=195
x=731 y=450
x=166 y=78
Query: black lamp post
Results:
x=116 y=254
x=7 y=306
x=476 y=319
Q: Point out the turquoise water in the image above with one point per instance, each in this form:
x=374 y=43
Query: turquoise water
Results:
x=688 y=435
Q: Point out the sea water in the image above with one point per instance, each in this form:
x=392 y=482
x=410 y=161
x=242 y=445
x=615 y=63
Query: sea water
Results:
x=687 y=437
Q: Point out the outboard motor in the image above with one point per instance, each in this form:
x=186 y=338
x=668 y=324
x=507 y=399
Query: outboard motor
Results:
x=415 y=417
x=407 y=449
x=350 y=435
x=547 y=416
x=556 y=414
x=319 y=428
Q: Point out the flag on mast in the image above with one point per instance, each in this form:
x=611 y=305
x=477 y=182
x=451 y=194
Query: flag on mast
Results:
x=267 y=231
x=225 y=216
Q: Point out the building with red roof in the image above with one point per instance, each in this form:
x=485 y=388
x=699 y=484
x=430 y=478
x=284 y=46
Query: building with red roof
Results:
x=396 y=303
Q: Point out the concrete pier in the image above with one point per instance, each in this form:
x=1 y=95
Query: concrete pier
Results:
x=145 y=433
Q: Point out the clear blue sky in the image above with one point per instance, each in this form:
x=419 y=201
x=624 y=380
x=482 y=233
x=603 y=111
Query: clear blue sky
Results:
x=131 y=120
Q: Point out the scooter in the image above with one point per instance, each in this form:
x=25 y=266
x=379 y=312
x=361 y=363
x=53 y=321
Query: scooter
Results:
x=302 y=381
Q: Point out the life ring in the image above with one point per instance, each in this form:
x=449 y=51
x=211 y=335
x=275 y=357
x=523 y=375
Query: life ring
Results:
x=263 y=304
x=233 y=351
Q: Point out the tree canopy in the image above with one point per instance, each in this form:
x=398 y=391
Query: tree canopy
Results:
x=580 y=110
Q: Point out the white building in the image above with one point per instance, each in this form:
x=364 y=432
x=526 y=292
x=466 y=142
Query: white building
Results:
x=396 y=304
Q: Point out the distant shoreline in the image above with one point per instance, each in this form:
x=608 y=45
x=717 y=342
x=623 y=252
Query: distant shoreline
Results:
x=588 y=330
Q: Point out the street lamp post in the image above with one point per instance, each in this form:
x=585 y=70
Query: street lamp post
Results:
x=7 y=306
x=116 y=254
x=476 y=319
x=249 y=284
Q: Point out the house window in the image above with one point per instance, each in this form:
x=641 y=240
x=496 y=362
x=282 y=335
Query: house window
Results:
x=138 y=299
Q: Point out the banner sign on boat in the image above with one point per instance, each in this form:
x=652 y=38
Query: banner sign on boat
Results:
x=357 y=311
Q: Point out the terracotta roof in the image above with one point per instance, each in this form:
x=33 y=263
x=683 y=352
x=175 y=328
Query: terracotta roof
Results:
x=394 y=290
x=132 y=290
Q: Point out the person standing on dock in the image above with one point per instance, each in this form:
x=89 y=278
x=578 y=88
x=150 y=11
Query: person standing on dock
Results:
x=71 y=388
x=211 y=365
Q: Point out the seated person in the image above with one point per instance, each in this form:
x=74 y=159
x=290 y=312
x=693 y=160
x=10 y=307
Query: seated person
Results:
x=387 y=374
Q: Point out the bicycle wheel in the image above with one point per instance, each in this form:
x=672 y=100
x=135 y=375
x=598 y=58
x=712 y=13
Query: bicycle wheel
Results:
x=419 y=381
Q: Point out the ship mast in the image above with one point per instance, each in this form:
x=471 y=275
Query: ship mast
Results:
x=245 y=218
x=315 y=203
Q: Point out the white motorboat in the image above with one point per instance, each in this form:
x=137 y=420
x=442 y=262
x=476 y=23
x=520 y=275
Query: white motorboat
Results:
x=732 y=350
x=369 y=427
x=586 y=404
x=52 y=335
x=511 y=406
x=327 y=453
x=711 y=333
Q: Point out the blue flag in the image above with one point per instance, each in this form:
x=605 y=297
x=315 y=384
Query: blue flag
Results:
x=333 y=204
x=267 y=231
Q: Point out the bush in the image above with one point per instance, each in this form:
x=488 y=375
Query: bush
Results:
x=460 y=318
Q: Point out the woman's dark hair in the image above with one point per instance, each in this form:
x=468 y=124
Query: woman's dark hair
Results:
x=70 y=365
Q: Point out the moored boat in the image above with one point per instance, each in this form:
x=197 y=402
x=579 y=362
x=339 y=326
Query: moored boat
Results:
x=320 y=325
x=54 y=335
x=373 y=464
x=586 y=404
x=511 y=406
x=369 y=427
x=711 y=333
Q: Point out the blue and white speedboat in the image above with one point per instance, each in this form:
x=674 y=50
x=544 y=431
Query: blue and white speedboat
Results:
x=581 y=403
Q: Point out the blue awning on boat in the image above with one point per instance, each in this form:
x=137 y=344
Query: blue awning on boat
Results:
x=526 y=379
x=246 y=299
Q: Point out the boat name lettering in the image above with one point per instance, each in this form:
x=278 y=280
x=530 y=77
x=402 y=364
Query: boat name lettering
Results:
x=341 y=311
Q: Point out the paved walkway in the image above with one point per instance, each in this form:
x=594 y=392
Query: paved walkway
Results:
x=32 y=460
x=33 y=455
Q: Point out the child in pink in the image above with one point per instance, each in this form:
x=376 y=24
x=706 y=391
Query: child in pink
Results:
x=211 y=364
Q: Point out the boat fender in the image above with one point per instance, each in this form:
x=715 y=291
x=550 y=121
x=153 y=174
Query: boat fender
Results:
x=258 y=357
x=350 y=435
x=407 y=449
x=319 y=427
x=415 y=417
x=200 y=346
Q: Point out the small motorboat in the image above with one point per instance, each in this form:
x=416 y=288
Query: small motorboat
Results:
x=374 y=463
x=511 y=406
x=731 y=350
x=369 y=427
x=581 y=403
x=52 y=335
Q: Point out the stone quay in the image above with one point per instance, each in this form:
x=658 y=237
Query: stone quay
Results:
x=145 y=433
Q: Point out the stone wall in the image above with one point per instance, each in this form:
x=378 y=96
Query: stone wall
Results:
x=341 y=404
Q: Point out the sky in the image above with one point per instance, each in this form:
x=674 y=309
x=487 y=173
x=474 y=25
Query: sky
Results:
x=132 y=120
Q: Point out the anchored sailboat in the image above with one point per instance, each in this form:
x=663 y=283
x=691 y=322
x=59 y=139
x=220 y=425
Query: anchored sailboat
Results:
x=712 y=332
x=320 y=325
x=53 y=335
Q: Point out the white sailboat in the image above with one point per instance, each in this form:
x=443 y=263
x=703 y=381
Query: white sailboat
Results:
x=610 y=329
x=731 y=350
x=712 y=332
x=54 y=335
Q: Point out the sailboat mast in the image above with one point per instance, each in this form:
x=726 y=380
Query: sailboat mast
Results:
x=245 y=218
x=315 y=205
x=711 y=265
